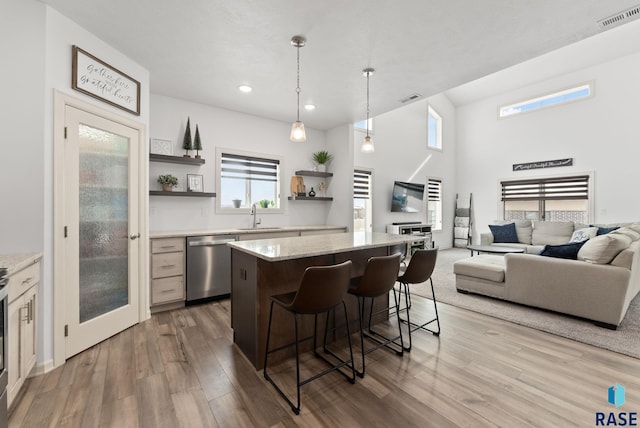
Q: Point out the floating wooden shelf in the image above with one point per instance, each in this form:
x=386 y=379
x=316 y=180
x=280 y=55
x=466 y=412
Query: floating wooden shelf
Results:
x=309 y=198
x=197 y=194
x=314 y=173
x=175 y=159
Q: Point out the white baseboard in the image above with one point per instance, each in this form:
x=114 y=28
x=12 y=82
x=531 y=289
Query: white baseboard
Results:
x=42 y=368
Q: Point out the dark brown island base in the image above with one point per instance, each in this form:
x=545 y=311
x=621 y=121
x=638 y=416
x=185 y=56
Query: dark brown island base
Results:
x=265 y=267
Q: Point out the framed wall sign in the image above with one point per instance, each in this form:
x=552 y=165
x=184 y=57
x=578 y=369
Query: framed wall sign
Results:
x=96 y=78
x=194 y=183
x=542 y=164
x=161 y=147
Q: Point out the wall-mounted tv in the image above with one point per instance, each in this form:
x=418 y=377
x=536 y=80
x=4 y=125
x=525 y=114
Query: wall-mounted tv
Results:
x=407 y=197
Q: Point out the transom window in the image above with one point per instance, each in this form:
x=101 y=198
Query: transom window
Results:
x=434 y=129
x=547 y=199
x=247 y=179
x=555 y=98
x=364 y=124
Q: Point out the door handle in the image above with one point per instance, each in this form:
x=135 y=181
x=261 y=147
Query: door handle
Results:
x=134 y=236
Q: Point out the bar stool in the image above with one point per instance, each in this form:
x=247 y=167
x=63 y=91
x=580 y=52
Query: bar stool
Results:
x=321 y=289
x=379 y=277
x=420 y=269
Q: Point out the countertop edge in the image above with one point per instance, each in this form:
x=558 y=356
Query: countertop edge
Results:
x=277 y=229
x=18 y=261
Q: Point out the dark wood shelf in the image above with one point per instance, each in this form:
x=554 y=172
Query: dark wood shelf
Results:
x=196 y=194
x=175 y=159
x=314 y=173
x=309 y=198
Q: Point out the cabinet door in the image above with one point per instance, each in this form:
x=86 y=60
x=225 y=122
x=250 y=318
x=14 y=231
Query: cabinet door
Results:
x=29 y=328
x=15 y=312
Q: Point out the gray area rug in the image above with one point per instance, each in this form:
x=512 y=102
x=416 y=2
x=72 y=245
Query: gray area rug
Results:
x=625 y=340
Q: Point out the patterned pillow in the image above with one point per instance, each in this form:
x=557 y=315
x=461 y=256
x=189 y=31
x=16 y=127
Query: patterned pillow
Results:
x=585 y=234
x=505 y=233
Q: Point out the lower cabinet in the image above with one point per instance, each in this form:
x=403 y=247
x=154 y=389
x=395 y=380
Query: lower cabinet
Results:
x=21 y=331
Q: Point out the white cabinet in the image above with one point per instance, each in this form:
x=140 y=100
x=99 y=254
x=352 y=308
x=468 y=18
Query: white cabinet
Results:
x=21 y=331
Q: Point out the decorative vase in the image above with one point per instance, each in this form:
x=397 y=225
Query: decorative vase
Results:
x=322 y=168
x=312 y=193
x=167 y=188
x=236 y=203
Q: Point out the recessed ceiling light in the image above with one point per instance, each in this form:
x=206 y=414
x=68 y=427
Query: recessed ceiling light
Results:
x=245 y=88
x=309 y=107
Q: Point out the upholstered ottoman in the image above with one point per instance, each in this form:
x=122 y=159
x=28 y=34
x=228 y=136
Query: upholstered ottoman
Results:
x=483 y=274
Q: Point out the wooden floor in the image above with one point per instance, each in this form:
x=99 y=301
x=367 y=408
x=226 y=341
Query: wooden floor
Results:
x=180 y=369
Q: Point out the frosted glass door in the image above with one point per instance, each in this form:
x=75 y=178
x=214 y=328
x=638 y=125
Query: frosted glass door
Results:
x=104 y=208
x=101 y=204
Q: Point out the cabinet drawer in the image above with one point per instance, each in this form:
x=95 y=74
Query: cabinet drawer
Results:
x=21 y=281
x=168 y=264
x=167 y=245
x=167 y=290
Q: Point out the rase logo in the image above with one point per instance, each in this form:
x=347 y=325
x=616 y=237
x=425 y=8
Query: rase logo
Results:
x=616 y=397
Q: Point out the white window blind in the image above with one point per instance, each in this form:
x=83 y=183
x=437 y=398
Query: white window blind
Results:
x=249 y=168
x=560 y=188
x=361 y=184
x=434 y=189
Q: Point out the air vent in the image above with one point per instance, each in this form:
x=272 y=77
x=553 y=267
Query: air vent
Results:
x=411 y=97
x=619 y=18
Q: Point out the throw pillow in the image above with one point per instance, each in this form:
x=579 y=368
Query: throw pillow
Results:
x=605 y=230
x=585 y=234
x=604 y=248
x=563 y=251
x=505 y=233
x=628 y=232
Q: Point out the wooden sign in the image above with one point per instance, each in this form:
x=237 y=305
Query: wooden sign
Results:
x=98 y=79
x=543 y=164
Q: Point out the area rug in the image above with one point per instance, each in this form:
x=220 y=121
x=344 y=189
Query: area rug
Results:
x=625 y=340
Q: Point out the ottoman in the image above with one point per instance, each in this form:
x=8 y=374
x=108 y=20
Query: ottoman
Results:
x=483 y=274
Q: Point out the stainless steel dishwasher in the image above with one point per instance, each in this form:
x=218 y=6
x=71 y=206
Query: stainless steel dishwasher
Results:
x=208 y=267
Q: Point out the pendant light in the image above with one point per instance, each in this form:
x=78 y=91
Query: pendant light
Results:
x=367 y=144
x=298 y=133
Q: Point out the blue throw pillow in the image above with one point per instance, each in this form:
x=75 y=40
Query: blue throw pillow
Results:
x=562 y=251
x=505 y=233
x=605 y=230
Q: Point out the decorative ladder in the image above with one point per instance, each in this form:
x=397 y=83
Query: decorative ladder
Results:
x=462 y=221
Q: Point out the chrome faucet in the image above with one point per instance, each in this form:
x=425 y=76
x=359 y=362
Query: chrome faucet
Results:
x=254 y=211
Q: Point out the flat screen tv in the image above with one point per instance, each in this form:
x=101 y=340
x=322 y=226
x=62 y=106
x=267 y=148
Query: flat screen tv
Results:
x=407 y=197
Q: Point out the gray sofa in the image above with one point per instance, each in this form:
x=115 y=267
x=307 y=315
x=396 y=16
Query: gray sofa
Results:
x=598 y=286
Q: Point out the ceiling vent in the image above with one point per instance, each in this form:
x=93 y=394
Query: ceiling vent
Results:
x=410 y=98
x=620 y=18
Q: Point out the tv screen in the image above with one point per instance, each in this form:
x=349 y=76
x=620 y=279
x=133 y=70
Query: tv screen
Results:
x=407 y=197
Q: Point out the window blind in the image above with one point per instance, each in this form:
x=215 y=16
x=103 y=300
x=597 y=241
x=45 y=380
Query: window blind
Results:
x=546 y=189
x=248 y=168
x=434 y=189
x=361 y=184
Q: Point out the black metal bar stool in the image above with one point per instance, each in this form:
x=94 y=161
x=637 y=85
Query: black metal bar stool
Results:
x=321 y=289
x=420 y=269
x=379 y=277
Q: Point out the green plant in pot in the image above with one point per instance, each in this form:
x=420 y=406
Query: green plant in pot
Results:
x=168 y=182
x=265 y=203
x=322 y=158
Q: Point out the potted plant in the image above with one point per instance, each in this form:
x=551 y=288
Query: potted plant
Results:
x=322 y=158
x=168 y=181
x=264 y=203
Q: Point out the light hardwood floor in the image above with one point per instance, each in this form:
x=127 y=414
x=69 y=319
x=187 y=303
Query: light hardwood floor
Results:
x=180 y=369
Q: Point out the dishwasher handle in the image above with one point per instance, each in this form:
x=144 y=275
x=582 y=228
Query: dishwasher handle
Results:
x=210 y=243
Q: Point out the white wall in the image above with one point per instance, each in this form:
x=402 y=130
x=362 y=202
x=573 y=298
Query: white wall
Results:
x=227 y=129
x=400 y=140
x=340 y=143
x=600 y=134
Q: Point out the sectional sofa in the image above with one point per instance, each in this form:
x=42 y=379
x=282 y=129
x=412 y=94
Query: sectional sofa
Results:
x=598 y=285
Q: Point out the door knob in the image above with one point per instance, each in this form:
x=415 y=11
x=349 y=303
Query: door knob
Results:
x=134 y=236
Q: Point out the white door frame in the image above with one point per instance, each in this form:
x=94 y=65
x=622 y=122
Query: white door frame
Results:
x=61 y=101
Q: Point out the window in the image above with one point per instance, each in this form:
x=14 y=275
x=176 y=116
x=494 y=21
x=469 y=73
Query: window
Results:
x=547 y=199
x=362 y=212
x=362 y=125
x=559 y=97
x=434 y=129
x=434 y=203
x=249 y=179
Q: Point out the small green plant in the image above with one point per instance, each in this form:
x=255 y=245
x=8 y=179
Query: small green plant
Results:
x=265 y=203
x=322 y=157
x=168 y=180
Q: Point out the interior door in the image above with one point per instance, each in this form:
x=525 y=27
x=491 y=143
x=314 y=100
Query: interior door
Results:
x=101 y=204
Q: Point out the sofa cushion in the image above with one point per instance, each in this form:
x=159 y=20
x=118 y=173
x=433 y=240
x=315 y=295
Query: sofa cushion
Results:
x=505 y=233
x=551 y=232
x=485 y=266
x=628 y=231
x=563 y=251
x=584 y=234
x=604 y=248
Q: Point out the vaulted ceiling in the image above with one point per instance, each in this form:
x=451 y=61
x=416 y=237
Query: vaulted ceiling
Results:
x=201 y=50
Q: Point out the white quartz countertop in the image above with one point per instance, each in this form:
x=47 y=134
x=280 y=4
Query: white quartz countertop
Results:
x=238 y=231
x=279 y=249
x=16 y=262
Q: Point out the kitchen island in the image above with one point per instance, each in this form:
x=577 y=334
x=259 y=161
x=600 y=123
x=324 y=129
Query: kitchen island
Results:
x=262 y=268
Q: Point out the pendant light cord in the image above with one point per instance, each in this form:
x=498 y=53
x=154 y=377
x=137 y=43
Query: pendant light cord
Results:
x=298 y=83
x=366 y=124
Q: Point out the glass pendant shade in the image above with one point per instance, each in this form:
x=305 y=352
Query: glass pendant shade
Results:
x=367 y=145
x=298 y=134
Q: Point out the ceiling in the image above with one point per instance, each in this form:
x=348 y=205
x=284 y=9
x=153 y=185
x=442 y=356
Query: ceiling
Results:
x=201 y=50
